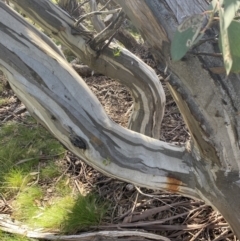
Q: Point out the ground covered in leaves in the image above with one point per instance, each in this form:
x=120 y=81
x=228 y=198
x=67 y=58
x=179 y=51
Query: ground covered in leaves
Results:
x=121 y=206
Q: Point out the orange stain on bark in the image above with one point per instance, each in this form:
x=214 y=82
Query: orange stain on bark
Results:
x=173 y=185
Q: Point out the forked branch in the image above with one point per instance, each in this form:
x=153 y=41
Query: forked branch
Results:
x=108 y=32
x=141 y=80
x=59 y=99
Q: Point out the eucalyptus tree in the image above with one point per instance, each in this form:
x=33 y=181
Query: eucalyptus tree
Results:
x=207 y=167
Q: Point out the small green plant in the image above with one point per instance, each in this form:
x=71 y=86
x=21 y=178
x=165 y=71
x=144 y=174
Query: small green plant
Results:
x=106 y=162
x=116 y=52
x=16 y=179
x=53 y=216
x=68 y=214
x=22 y=145
x=3 y=101
x=133 y=31
x=1 y=86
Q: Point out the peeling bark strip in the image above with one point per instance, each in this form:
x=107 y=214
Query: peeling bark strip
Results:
x=141 y=80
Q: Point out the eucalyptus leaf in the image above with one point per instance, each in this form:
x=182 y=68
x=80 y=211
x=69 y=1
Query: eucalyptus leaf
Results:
x=224 y=43
x=179 y=44
x=230 y=9
x=234 y=41
x=186 y=36
x=214 y=3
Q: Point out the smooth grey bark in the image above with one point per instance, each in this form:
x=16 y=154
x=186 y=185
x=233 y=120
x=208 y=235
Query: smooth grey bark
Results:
x=207 y=168
x=145 y=87
x=59 y=99
x=209 y=103
x=8 y=225
x=96 y=20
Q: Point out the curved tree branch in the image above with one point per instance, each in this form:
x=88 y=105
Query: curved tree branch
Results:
x=129 y=70
x=7 y=225
x=56 y=96
x=208 y=168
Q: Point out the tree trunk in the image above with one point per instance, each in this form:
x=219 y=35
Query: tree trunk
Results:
x=209 y=103
x=206 y=168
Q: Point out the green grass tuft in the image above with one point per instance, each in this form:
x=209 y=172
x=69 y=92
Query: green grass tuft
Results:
x=53 y=216
x=13 y=237
x=21 y=142
x=69 y=214
x=87 y=210
x=1 y=84
x=62 y=187
x=28 y=181
x=16 y=180
x=50 y=171
x=25 y=205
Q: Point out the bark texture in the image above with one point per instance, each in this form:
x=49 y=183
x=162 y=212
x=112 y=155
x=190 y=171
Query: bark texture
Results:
x=206 y=168
x=208 y=102
x=55 y=95
x=123 y=36
x=146 y=89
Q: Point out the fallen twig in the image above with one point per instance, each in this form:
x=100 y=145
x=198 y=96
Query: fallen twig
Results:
x=15 y=227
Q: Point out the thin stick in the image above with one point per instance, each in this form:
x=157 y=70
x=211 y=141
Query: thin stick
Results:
x=105 y=5
x=95 y=13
